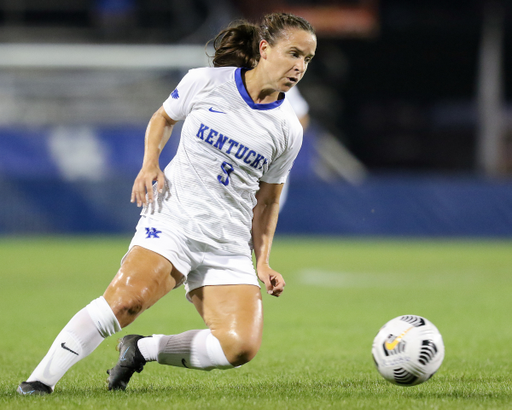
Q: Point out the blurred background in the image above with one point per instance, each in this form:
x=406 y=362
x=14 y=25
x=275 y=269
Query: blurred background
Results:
x=409 y=121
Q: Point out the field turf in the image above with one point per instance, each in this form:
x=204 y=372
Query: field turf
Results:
x=316 y=351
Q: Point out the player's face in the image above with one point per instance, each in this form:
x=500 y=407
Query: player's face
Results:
x=287 y=60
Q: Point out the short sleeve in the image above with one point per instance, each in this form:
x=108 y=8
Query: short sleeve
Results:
x=281 y=166
x=181 y=100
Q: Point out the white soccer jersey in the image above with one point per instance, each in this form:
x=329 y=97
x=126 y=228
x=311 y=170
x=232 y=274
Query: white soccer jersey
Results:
x=228 y=145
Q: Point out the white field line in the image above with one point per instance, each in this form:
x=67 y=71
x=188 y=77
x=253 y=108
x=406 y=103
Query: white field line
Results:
x=323 y=278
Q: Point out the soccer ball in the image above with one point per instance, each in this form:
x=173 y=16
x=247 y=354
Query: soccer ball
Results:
x=408 y=350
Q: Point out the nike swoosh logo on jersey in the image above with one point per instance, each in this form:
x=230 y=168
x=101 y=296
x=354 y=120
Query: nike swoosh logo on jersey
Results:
x=214 y=110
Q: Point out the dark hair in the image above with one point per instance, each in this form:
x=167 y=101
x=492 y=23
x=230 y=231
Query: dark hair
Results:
x=238 y=44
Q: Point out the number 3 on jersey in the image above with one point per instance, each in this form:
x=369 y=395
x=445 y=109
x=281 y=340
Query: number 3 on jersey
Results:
x=227 y=169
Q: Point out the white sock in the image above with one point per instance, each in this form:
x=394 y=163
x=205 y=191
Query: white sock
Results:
x=195 y=349
x=83 y=333
x=148 y=347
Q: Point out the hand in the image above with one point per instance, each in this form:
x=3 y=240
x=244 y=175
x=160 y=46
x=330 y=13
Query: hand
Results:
x=274 y=282
x=144 y=184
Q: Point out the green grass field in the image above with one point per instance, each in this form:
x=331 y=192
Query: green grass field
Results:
x=316 y=351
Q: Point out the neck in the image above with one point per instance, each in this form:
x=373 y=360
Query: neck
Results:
x=257 y=88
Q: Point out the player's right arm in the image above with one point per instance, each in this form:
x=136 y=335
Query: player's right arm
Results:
x=157 y=134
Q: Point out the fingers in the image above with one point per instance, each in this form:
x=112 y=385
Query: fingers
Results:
x=142 y=191
x=149 y=190
x=275 y=285
x=274 y=282
x=160 y=183
x=138 y=193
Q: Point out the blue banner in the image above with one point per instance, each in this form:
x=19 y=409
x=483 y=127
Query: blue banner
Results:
x=75 y=180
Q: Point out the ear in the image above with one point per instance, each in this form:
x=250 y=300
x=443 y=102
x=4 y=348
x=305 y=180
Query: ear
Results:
x=264 y=49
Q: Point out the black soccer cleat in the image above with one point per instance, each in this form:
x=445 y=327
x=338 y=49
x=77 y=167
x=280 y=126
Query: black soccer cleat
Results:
x=130 y=361
x=34 y=389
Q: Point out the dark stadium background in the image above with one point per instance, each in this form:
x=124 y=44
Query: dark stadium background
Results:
x=406 y=90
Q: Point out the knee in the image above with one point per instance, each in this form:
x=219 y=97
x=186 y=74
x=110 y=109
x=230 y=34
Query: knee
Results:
x=126 y=308
x=239 y=349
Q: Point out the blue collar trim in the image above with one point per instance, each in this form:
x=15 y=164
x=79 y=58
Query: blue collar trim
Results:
x=247 y=98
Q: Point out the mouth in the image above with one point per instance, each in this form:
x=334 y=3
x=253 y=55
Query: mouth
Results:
x=293 y=80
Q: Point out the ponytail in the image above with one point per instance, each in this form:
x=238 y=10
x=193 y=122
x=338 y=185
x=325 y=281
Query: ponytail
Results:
x=238 y=45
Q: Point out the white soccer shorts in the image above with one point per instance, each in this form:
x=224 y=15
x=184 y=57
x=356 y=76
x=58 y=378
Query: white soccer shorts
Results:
x=200 y=263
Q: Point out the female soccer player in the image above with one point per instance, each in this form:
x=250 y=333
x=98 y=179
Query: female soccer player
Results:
x=217 y=200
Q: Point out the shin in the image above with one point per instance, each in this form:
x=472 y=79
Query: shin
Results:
x=83 y=333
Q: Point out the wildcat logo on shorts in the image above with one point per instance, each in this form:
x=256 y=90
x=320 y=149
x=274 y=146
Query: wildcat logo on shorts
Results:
x=152 y=233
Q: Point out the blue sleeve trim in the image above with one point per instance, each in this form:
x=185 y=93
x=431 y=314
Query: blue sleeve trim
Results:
x=247 y=98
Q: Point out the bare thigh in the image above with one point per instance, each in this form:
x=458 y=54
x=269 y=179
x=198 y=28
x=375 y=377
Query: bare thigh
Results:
x=234 y=314
x=144 y=278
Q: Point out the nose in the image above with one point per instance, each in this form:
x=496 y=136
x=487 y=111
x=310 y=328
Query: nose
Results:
x=301 y=65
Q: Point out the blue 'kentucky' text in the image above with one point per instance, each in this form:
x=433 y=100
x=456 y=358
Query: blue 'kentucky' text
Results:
x=230 y=146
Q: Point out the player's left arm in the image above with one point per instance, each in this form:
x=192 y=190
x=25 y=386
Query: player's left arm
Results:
x=264 y=225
